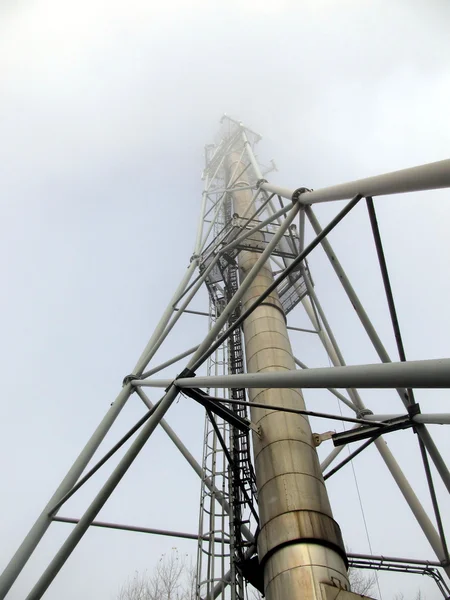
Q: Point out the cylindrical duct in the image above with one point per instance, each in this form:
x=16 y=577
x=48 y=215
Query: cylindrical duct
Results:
x=299 y=544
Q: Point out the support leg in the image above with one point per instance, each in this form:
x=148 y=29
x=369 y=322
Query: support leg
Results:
x=42 y=523
x=96 y=505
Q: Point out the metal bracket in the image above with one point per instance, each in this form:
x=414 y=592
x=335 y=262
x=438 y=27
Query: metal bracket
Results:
x=128 y=379
x=218 y=408
x=369 y=431
x=184 y=373
x=364 y=412
x=413 y=410
x=318 y=438
x=297 y=193
x=256 y=429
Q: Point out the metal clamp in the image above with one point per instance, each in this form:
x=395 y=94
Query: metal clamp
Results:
x=184 y=373
x=297 y=193
x=413 y=410
x=128 y=379
x=364 y=412
x=318 y=438
x=372 y=431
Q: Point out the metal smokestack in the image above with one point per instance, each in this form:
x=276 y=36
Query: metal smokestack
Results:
x=300 y=545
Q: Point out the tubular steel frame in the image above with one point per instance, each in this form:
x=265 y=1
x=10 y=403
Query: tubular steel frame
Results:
x=208 y=254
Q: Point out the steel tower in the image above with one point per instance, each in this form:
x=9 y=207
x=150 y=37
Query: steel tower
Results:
x=265 y=517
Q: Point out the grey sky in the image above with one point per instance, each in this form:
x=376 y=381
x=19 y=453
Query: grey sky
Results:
x=105 y=109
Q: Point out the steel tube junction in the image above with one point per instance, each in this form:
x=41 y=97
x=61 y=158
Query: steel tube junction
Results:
x=431 y=176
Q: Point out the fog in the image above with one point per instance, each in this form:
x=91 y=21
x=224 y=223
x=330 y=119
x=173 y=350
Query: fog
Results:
x=105 y=110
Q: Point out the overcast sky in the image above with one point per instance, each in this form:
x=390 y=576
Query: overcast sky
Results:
x=105 y=109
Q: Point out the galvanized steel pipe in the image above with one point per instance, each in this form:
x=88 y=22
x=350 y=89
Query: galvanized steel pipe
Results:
x=433 y=374
x=431 y=176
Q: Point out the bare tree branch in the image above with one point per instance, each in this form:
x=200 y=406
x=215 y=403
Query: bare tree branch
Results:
x=361 y=582
x=173 y=578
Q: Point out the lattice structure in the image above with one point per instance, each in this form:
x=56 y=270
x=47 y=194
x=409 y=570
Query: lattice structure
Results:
x=264 y=512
